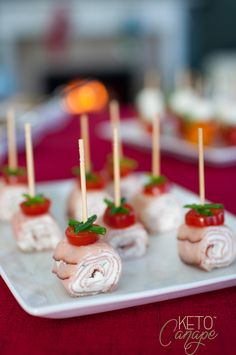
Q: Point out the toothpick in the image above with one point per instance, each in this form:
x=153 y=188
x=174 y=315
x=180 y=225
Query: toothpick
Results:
x=183 y=79
x=199 y=85
x=115 y=121
x=178 y=80
x=30 y=160
x=152 y=79
x=11 y=135
x=85 y=136
x=201 y=166
x=83 y=181
x=116 y=166
x=156 y=146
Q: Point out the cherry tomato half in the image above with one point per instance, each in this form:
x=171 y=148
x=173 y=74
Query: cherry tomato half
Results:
x=98 y=183
x=36 y=208
x=157 y=189
x=15 y=179
x=82 y=238
x=120 y=220
x=195 y=219
x=127 y=166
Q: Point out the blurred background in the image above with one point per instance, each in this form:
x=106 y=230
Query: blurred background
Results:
x=46 y=44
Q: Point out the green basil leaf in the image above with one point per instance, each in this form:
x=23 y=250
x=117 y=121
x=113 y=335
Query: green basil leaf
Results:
x=205 y=209
x=32 y=200
x=98 y=229
x=108 y=202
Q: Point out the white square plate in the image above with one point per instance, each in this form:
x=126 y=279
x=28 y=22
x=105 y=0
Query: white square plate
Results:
x=132 y=133
x=160 y=275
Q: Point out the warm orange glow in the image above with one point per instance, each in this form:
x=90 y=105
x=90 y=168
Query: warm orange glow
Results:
x=85 y=97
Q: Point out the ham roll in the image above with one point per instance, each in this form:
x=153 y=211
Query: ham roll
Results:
x=130 y=242
x=207 y=247
x=87 y=270
x=158 y=213
x=10 y=198
x=94 y=203
x=36 y=233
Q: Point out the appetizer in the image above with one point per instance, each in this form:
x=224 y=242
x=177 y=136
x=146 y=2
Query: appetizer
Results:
x=156 y=206
x=204 y=240
x=130 y=182
x=201 y=114
x=13 y=186
x=181 y=100
x=226 y=113
x=84 y=262
x=34 y=227
x=127 y=236
x=95 y=181
x=96 y=184
x=150 y=100
x=14 y=181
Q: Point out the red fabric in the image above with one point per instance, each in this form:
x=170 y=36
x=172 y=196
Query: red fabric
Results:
x=129 y=331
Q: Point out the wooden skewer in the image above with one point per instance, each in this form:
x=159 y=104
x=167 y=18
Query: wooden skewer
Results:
x=156 y=171
x=152 y=79
x=85 y=136
x=30 y=160
x=83 y=181
x=183 y=79
x=116 y=167
x=11 y=135
x=201 y=166
x=178 y=82
x=199 y=85
x=115 y=121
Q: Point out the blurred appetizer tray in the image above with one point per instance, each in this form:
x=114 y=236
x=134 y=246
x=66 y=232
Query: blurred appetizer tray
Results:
x=135 y=135
x=160 y=275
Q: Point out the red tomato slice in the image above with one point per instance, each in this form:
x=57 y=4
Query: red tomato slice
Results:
x=98 y=183
x=195 y=219
x=124 y=170
x=120 y=220
x=157 y=189
x=127 y=166
x=36 y=209
x=82 y=238
x=15 y=179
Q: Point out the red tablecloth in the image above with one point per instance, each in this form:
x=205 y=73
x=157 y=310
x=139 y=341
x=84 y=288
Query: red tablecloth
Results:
x=129 y=331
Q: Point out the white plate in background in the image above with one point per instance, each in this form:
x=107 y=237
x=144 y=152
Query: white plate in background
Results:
x=134 y=134
x=160 y=275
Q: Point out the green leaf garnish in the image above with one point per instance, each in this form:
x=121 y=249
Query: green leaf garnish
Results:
x=156 y=180
x=13 y=172
x=131 y=163
x=204 y=210
x=119 y=209
x=86 y=226
x=125 y=161
x=89 y=175
x=32 y=200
